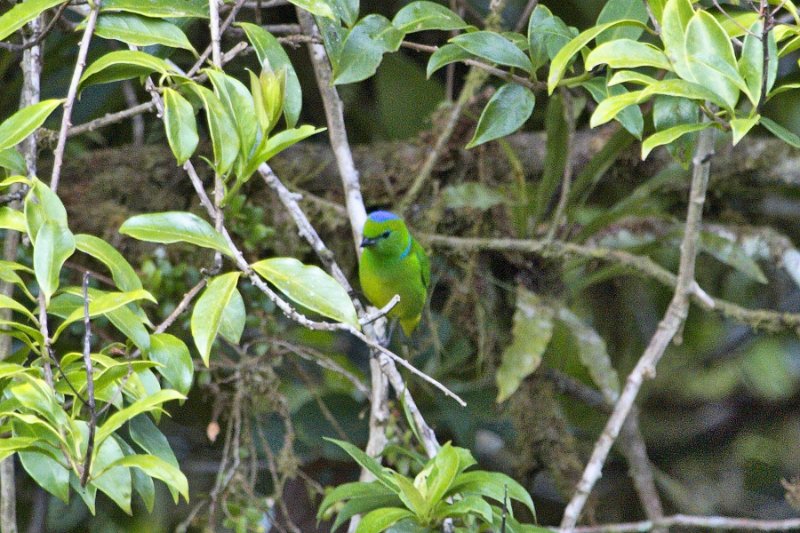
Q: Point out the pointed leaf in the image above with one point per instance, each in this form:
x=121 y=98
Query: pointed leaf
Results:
x=614 y=10
x=208 y=311
x=159 y=9
x=547 y=34
x=505 y=113
x=669 y=135
x=421 y=16
x=365 y=461
x=103 y=305
x=141 y=31
x=115 y=482
x=47 y=472
x=445 y=55
x=533 y=327
x=12 y=219
x=144 y=405
x=494 y=48
x=626 y=53
x=157 y=468
x=180 y=125
x=781 y=132
x=309 y=286
x=123 y=65
x=121 y=271
x=710 y=58
x=54 y=245
x=224 y=138
x=175 y=226
x=315 y=7
x=21 y=14
x=740 y=127
x=234 y=315
x=381 y=519
x=12 y=160
x=677 y=14
x=732 y=254
x=18 y=126
x=173 y=354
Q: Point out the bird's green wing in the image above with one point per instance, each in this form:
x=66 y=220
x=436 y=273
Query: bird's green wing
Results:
x=424 y=262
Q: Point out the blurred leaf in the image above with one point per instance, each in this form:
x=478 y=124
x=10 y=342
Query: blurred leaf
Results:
x=615 y=10
x=741 y=126
x=592 y=353
x=421 y=16
x=18 y=126
x=147 y=404
x=141 y=31
x=157 y=468
x=54 y=245
x=469 y=505
x=173 y=354
x=766 y=371
x=21 y=14
x=555 y=159
x=494 y=48
x=12 y=219
x=6 y=302
x=751 y=63
x=174 y=226
x=780 y=132
x=657 y=8
x=180 y=125
x=208 y=311
x=444 y=467
x=732 y=254
x=320 y=8
x=505 y=113
x=346 y=10
x=472 y=195
x=12 y=160
x=367 y=462
x=270 y=51
x=492 y=485
x=103 y=305
x=309 y=286
x=532 y=330
x=159 y=8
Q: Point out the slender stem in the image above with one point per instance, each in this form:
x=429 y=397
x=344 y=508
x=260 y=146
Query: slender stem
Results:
x=667 y=329
x=687 y=521
x=87 y=361
x=213 y=22
x=72 y=93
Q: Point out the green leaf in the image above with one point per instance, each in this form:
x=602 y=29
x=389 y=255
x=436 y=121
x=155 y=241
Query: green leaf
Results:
x=12 y=219
x=532 y=330
x=445 y=467
x=657 y=8
x=346 y=10
x=505 y=113
x=180 y=125
x=365 y=461
x=141 y=31
x=146 y=435
x=410 y=495
x=740 y=127
x=221 y=128
x=677 y=14
x=363 y=49
x=175 y=226
x=6 y=302
x=629 y=116
x=12 y=160
x=492 y=485
x=494 y=48
x=364 y=504
x=732 y=254
x=592 y=353
x=469 y=505
x=12 y=445
x=751 y=63
x=346 y=491
x=278 y=143
x=121 y=271
x=612 y=106
x=144 y=405
x=710 y=58
x=780 y=132
x=115 y=482
x=669 y=111
x=547 y=34
x=614 y=10
x=47 y=472
x=123 y=65
x=555 y=160
x=142 y=483
x=472 y=195
x=629 y=76
x=561 y=61
x=421 y=16
x=158 y=468
x=239 y=104
x=42 y=205
x=208 y=311
x=233 y=319
x=381 y=519
x=626 y=53
x=177 y=367
x=131 y=325
x=103 y=305
x=159 y=8
x=21 y=14
x=270 y=51
x=670 y=134
x=321 y=8
x=309 y=286
x=18 y=126
x=444 y=55
x=54 y=245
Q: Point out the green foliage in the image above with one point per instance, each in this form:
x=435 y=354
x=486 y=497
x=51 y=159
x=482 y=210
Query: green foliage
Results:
x=442 y=489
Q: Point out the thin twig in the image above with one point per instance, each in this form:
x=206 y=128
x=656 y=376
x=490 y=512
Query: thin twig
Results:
x=667 y=329
x=87 y=361
x=706 y=522
x=526 y=14
x=72 y=92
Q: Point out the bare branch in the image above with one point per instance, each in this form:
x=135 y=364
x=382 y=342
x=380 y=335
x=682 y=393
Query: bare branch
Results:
x=72 y=92
x=705 y=522
x=87 y=361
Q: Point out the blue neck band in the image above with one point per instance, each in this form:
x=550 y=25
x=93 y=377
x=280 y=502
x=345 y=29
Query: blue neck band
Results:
x=408 y=248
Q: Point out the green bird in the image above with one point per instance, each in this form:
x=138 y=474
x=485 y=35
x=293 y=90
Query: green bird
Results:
x=393 y=262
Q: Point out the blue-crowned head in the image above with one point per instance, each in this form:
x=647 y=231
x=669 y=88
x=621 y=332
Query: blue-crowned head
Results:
x=385 y=233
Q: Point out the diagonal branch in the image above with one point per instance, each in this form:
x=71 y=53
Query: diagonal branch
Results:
x=666 y=331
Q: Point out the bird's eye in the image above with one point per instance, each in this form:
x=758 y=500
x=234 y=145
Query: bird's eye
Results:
x=385 y=234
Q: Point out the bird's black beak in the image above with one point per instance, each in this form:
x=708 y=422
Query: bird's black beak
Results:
x=368 y=241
